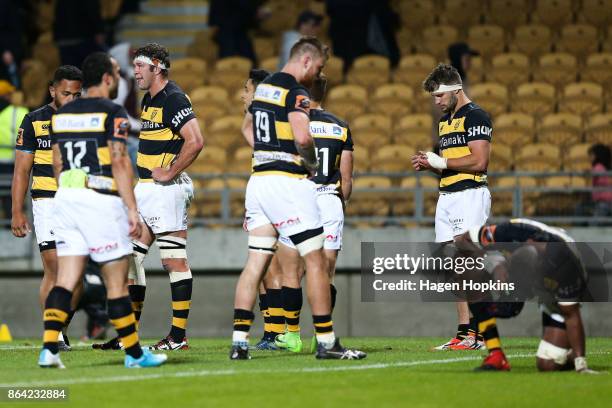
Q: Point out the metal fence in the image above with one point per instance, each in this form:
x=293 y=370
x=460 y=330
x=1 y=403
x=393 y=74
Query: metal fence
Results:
x=523 y=194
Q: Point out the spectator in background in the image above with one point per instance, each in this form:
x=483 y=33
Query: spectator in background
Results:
x=601 y=201
x=308 y=24
x=460 y=55
x=10 y=41
x=11 y=117
x=78 y=30
x=233 y=19
x=127 y=95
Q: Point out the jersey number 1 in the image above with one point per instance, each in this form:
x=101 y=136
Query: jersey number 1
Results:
x=323 y=155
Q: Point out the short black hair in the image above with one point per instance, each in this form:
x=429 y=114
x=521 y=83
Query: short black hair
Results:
x=257 y=76
x=67 y=72
x=318 y=88
x=442 y=74
x=94 y=67
x=312 y=45
x=156 y=52
x=601 y=155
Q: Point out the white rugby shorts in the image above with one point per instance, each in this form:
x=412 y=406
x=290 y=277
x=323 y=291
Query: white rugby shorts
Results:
x=164 y=207
x=288 y=203
x=43 y=214
x=457 y=212
x=332 y=218
x=91 y=223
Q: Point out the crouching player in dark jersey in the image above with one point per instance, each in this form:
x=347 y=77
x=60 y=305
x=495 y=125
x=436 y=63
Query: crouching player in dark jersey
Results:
x=549 y=263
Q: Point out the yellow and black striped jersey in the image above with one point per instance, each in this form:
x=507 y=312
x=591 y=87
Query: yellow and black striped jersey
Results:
x=274 y=151
x=34 y=138
x=162 y=118
x=469 y=123
x=331 y=136
x=82 y=129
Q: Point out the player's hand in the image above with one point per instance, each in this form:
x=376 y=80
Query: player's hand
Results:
x=20 y=225
x=589 y=371
x=416 y=162
x=162 y=175
x=135 y=230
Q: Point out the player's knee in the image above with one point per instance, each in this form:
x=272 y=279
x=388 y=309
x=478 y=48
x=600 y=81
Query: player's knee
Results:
x=136 y=271
x=265 y=245
x=171 y=247
x=309 y=241
x=550 y=357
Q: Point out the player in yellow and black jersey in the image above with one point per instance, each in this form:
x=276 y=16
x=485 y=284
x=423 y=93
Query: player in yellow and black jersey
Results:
x=465 y=201
x=33 y=157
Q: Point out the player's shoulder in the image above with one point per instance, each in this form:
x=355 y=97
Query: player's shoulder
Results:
x=475 y=111
x=283 y=80
x=90 y=105
x=43 y=113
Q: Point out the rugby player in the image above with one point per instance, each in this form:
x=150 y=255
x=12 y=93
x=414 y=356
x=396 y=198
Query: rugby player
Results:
x=169 y=141
x=270 y=302
x=550 y=263
x=33 y=155
x=95 y=208
x=465 y=201
x=334 y=180
x=281 y=200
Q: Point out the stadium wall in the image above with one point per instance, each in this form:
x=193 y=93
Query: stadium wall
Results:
x=218 y=255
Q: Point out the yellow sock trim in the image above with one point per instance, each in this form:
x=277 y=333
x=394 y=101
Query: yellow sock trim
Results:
x=124 y=321
x=493 y=343
x=137 y=306
x=293 y=314
x=277 y=328
x=483 y=326
x=129 y=340
x=179 y=322
x=50 y=336
x=55 y=315
x=275 y=311
x=181 y=305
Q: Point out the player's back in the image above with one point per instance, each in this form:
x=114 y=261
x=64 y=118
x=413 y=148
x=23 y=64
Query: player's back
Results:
x=331 y=136
x=82 y=130
x=274 y=144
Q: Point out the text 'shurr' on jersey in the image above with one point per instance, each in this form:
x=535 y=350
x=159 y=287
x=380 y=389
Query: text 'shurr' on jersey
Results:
x=82 y=129
x=34 y=138
x=469 y=123
x=162 y=118
x=274 y=151
x=331 y=136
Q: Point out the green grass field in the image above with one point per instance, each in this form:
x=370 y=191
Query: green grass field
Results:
x=397 y=372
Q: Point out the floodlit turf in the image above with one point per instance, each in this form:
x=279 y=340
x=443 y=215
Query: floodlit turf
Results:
x=397 y=372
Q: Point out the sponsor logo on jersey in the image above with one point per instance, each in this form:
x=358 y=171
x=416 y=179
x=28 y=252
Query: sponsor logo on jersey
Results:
x=79 y=122
x=104 y=248
x=180 y=115
x=324 y=129
x=449 y=141
x=43 y=143
x=269 y=93
x=479 y=131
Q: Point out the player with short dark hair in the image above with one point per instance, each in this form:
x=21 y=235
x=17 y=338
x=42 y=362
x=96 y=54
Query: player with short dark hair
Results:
x=549 y=265
x=95 y=209
x=33 y=156
x=465 y=201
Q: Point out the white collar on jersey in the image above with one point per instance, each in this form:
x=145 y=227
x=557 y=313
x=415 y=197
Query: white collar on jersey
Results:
x=147 y=60
x=447 y=88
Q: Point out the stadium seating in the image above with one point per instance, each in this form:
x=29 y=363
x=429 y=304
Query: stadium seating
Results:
x=532 y=39
x=534 y=98
x=189 y=73
x=492 y=97
x=266 y=47
x=270 y=64
x=578 y=39
x=577 y=158
x=334 y=71
x=598 y=69
x=230 y=72
x=582 y=98
x=210 y=160
x=556 y=68
x=599 y=128
x=34 y=81
x=513 y=129
x=241 y=162
x=502 y=202
x=209 y=102
x=597 y=12
x=415 y=130
x=562 y=129
x=369 y=71
x=488 y=39
x=538 y=157
x=393 y=100
x=436 y=40
x=417 y=14
x=561 y=201
x=413 y=69
x=508 y=13
x=347 y=101
x=553 y=13
x=501 y=157
x=225 y=132
x=392 y=158
x=361 y=160
x=510 y=69
x=462 y=13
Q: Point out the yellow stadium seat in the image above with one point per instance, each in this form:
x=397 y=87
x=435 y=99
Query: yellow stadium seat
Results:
x=403 y=203
x=436 y=39
x=210 y=160
x=265 y=47
x=553 y=13
x=242 y=160
x=430 y=183
x=597 y=12
x=46 y=51
x=270 y=64
x=361 y=160
x=230 y=72
x=204 y=46
x=369 y=203
x=577 y=158
x=560 y=129
x=478 y=67
x=538 y=157
x=599 y=128
x=405 y=41
x=535 y=98
x=369 y=71
x=423 y=101
x=508 y=13
x=488 y=39
x=194 y=66
x=563 y=200
x=392 y=99
x=370 y=139
x=413 y=69
x=510 y=69
x=492 y=97
x=556 y=68
x=187 y=81
x=462 y=13
x=501 y=157
x=503 y=201
x=578 y=39
x=372 y=122
x=582 y=98
x=225 y=132
x=283 y=15
x=34 y=82
x=392 y=158
x=607 y=45
x=333 y=71
x=416 y=14
x=347 y=101
x=415 y=130
x=532 y=39
x=209 y=94
x=513 y=129
x=598 y=69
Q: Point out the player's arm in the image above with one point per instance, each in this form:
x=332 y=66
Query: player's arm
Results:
x=575 y=333
x=57 y=161
x=346 y=173
x=247 y=128
x=24 y=160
